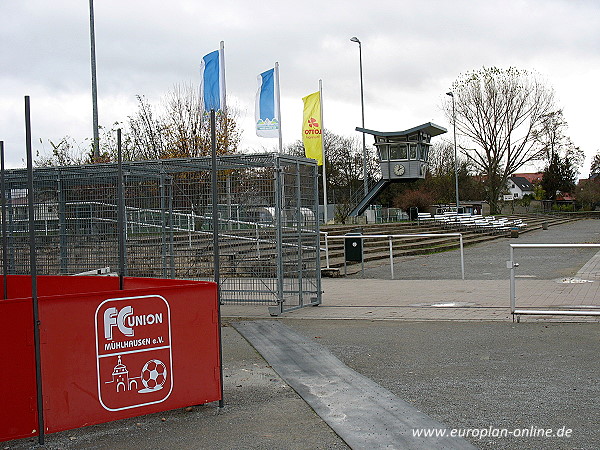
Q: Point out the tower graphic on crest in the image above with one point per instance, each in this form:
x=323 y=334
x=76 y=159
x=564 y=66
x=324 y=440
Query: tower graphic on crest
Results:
x=120 y=376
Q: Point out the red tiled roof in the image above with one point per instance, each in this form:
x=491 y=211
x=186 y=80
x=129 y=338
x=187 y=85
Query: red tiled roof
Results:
x=531 y=177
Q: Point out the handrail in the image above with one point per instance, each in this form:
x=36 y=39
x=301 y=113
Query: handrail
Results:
x=392 y=236
x=511 y=264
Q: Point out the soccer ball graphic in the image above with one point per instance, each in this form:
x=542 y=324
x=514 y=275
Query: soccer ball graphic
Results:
x=154 y=375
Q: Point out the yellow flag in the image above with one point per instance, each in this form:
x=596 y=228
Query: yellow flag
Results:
x=312 y=127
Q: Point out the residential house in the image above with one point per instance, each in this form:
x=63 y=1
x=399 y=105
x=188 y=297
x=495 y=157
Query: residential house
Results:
x=519 y=187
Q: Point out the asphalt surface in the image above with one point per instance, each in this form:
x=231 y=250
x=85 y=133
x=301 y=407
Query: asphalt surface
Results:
x=487 y=261
x=359 y=410
x=480 y=375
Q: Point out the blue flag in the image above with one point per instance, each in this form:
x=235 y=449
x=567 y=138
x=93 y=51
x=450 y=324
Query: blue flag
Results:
x=267 y=108
x=212 y=81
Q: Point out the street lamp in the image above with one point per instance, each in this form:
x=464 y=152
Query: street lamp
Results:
x=451 y=94
x=96 y=143
x=362 y=106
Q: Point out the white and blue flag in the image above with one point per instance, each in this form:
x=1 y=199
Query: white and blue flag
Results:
x=267 y=105
x=212 y=81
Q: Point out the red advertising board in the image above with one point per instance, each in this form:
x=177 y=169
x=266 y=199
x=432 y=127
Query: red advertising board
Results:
x=112 y=354
x=18 y=412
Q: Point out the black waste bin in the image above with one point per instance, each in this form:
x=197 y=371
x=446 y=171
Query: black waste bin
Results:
x=353 y=248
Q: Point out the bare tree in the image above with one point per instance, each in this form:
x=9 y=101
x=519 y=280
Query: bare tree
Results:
x=180 y=129
x=147 y=133
x=498 y=110
x=66 y=152
x=441 y=159
x=343 y=161
x=188 y=130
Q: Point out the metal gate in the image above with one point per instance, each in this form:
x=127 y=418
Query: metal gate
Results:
x=552 y=297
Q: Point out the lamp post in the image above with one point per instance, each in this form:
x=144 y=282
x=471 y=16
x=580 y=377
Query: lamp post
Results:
x=451 y=94
x=362 y=107
x=96 y=144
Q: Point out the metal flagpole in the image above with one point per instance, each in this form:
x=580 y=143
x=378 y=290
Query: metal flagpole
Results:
x=222 y=76
x=222 y=95
x=323 y=154
x=215 y=225
x=278 y=105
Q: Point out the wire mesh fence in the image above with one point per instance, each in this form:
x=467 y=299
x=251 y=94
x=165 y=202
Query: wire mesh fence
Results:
x=267 y=217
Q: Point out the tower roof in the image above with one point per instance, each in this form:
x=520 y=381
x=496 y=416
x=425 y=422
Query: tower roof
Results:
x=430 y=128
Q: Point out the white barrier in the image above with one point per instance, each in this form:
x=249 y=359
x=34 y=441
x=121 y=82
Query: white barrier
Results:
x=394 y=236
x=511 y=264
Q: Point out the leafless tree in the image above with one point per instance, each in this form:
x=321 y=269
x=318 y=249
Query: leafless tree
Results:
x=66 y=152
x=180 y=129
x=343 y=161
x=498 y=111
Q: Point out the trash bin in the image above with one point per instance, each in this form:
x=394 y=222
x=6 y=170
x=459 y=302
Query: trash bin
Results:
x=544 y=225
x=514 y=232
x=353 y=248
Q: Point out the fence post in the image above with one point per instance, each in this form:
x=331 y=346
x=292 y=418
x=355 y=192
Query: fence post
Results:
x=391 y=257
x=299 y=221
x=4 y=241
x=326 y=248
x=257 y=240
x=62 y=226
x=512 y=281
x=121 y=225
x=279 y=234
x=462 y=256
x=171 y=228
x=33 y=271
x=163 y=222
x=189 y=227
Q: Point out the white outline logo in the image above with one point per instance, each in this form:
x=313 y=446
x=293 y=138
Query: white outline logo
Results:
x=123 y=320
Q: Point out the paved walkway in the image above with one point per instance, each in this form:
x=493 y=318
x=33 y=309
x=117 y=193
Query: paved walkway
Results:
x=376 y=299
x=574 y=284
x=436 y=300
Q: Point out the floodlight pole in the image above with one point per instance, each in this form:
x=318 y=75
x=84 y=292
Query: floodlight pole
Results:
x=96 y=143
x=451 y=94
x=362 y=108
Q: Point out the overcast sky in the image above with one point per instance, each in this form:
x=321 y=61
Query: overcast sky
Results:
x=412 y=52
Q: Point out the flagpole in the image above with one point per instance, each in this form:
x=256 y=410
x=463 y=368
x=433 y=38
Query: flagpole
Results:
x=323 y=153
x=222 y=75
x=278 y=103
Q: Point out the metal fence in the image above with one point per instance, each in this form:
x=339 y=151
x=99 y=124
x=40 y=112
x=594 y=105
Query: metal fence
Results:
x=267 y=216
x=569 y=296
